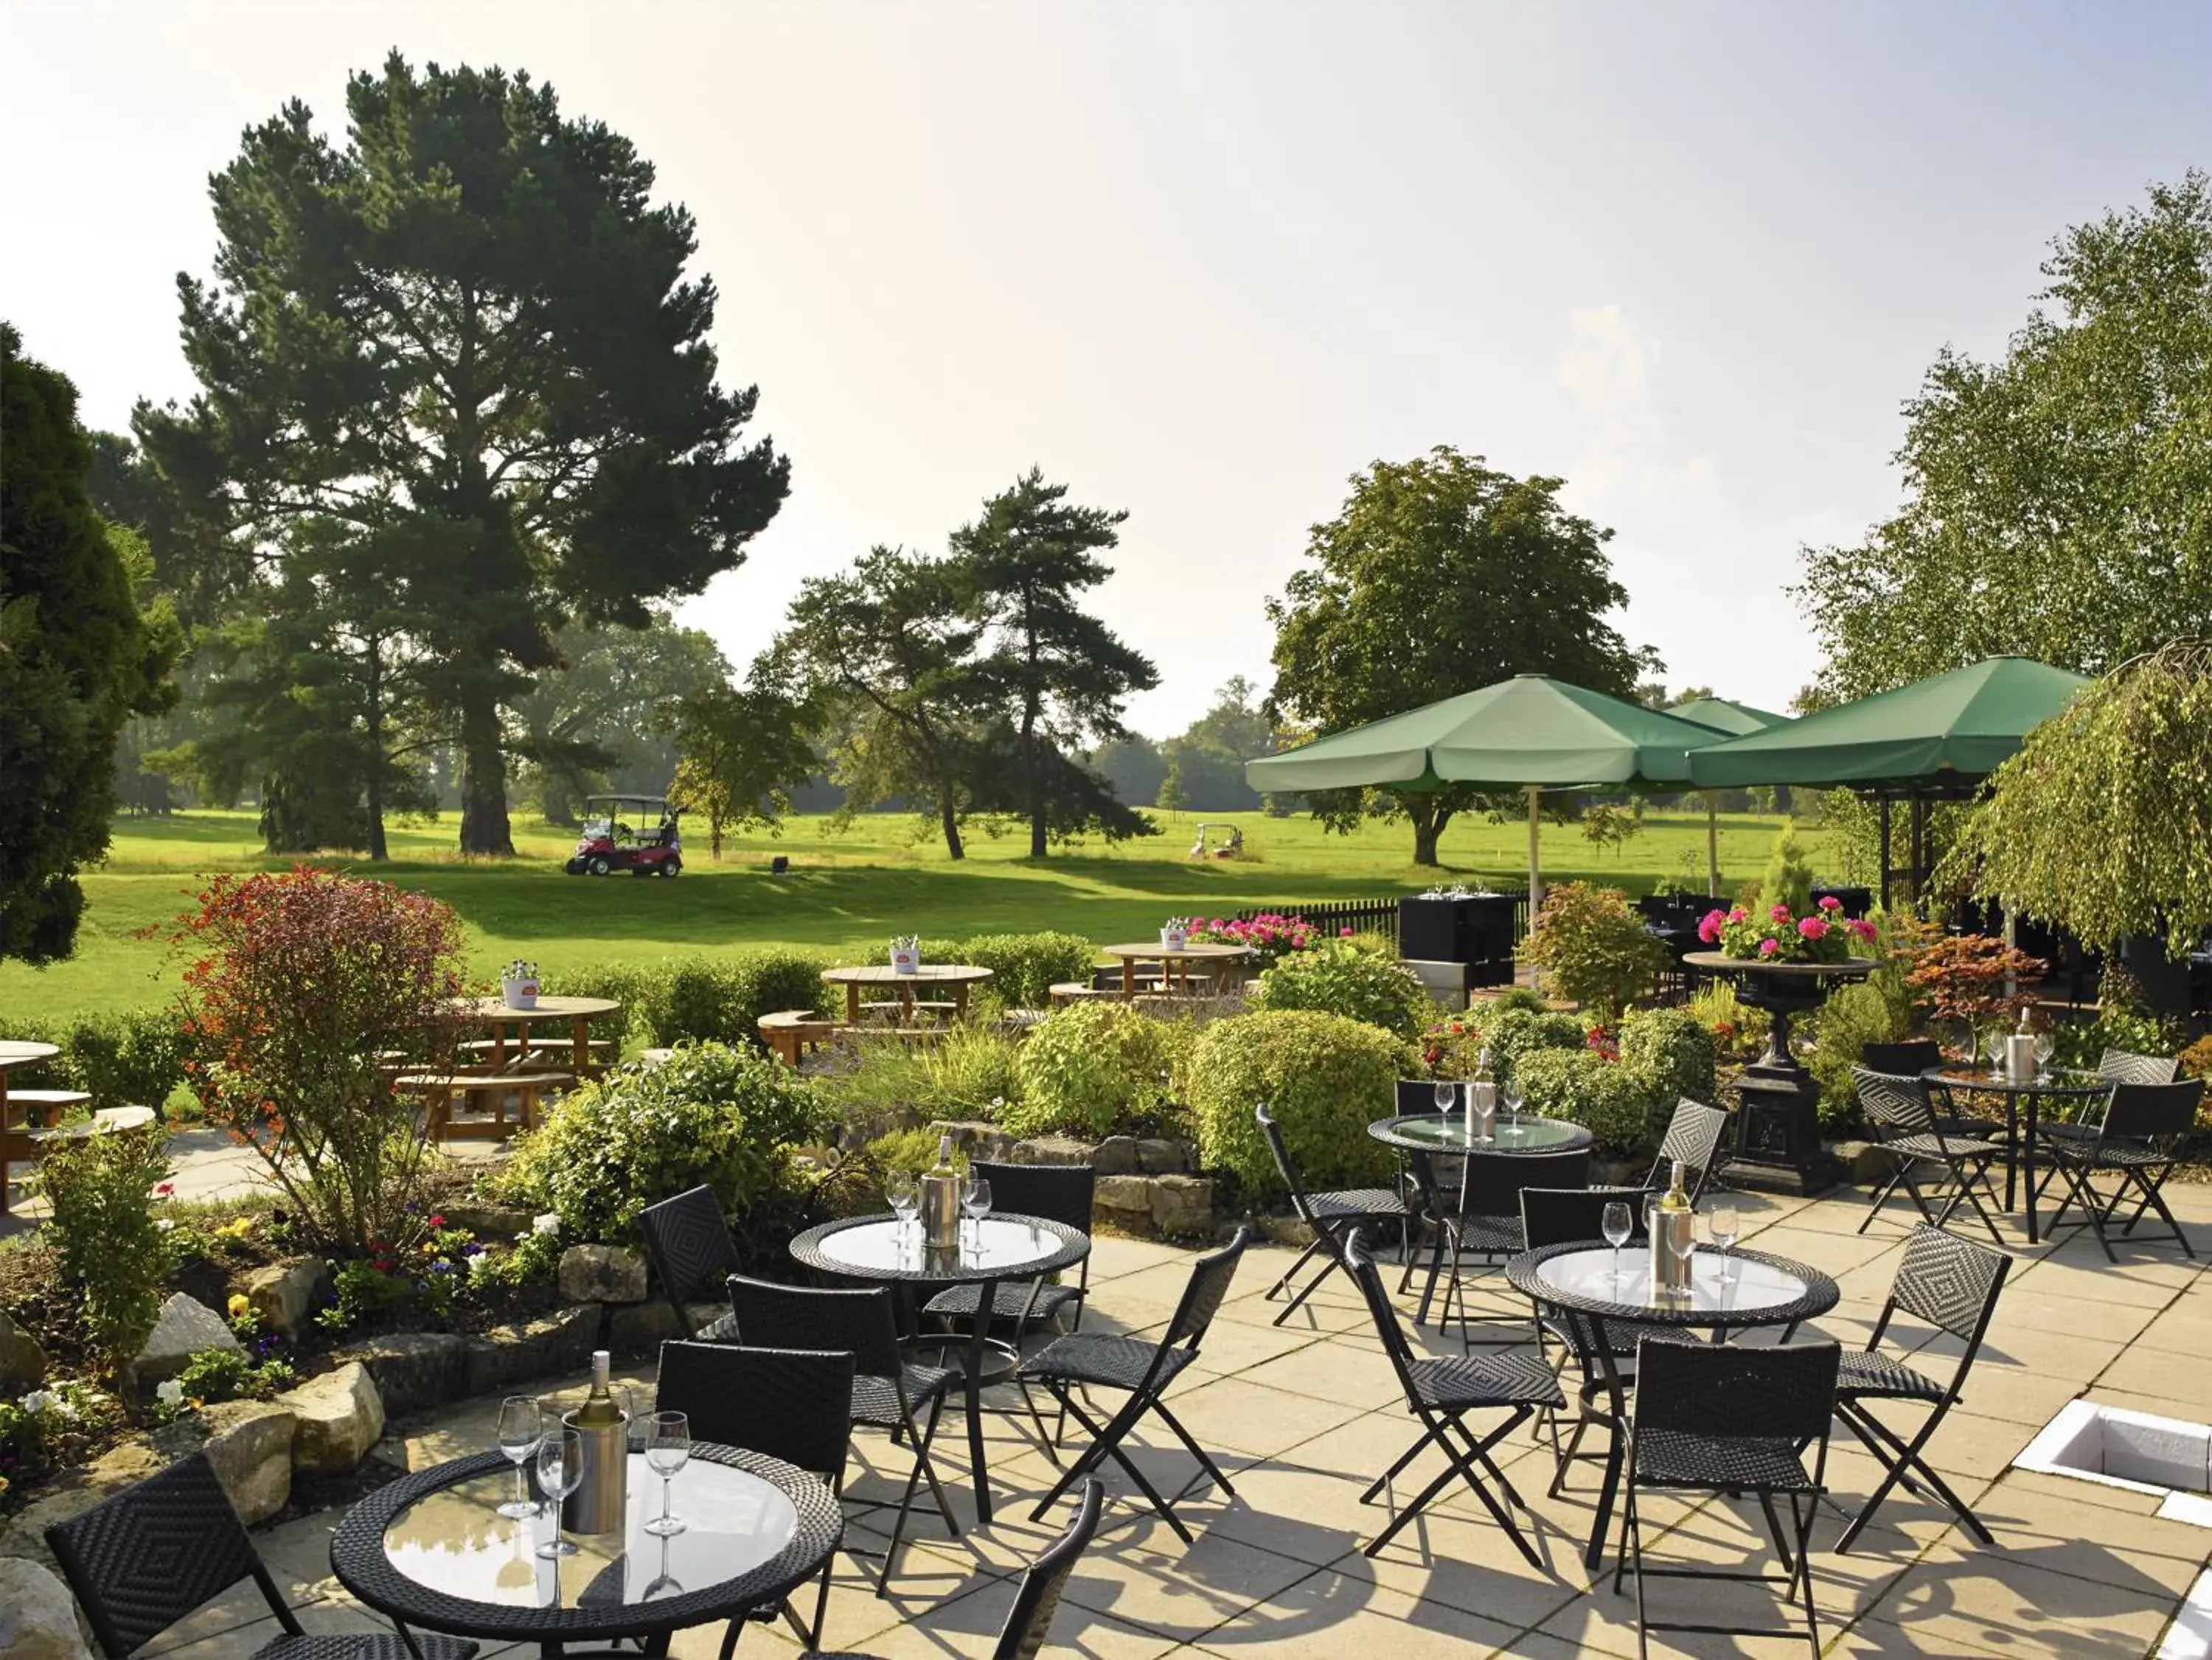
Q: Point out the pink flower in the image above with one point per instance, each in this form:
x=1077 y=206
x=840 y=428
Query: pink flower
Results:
x=1709 y=931
x=1780 y=912
x=1344 y=933
x=1812 y=928
x=1860 y=926
x=1768 y=948
x=1830 y=902
x=1739 y=914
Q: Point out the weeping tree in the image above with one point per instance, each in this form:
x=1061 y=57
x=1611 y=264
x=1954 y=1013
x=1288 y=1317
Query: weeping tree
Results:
x=2102 y=823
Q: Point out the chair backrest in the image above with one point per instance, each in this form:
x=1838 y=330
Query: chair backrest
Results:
x=1950 y=1282
x=1693 y=1136
x=1274 y=1132
x=1894 y=1101
x=1201 y=1299
x=1030 y=1617
x=1359 y=1262
x=688 y=1245
x=2123 y=1066
x=1729 y=1391
x=1494 y=1185
x=2150 y=1112
x=1908 y=1060
x=143 y=1560
x=792 y=1404
x=858 y=1322
x=1554 y=1216
x=1420 y=1095
x=1058 y=1192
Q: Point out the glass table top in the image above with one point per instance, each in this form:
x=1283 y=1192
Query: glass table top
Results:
x=997 y=1245
x=456 y=1541
x=1719 y=1284
x=2057 y=1080
x=1448 y=1132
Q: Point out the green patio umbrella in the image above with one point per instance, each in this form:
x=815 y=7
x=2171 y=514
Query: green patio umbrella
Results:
x=1737 y=719
x=1531 y=733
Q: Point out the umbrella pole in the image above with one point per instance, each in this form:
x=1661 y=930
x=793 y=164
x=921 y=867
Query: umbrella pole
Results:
x=1712 y=845
x=1535 y=856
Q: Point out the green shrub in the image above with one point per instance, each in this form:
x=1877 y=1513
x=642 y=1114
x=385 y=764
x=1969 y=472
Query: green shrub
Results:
x=1591 y=947
x=1852 y=1017
x=101 y=1190
x=1602 y=1096
x=1789 y=878
x=1025 y=967
x=224 y=1374
x=1092 y=1069
x=728 y=1117
x=131 y=1059
x=1516 y=996
x=1339 y=979
x=1519 y=1032
x=1325 y=1077
x=1670 y=1054
x=702 y=999
x=973 y=1072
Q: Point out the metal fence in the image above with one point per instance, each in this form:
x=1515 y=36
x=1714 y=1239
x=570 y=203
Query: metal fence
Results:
x=1367 y=916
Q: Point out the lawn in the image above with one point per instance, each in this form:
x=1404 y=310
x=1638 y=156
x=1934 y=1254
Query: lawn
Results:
x=847 y=890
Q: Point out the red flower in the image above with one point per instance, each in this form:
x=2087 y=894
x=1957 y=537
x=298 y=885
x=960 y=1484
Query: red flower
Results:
x=437 y=1221
x=1768 y=948
x=165 y=1190
x=1830 y=902
x=1778 y=912
x=1812 y=928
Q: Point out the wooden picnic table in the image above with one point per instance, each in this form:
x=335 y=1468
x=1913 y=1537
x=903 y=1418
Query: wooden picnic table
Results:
x=15 y=1140
x=957 y=978
x=501 y=1016
x=1175 y=963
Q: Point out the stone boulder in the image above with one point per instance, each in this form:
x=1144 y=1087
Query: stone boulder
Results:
x=38 y=1616
x=250 y=1445
x=1116 y=1156
x=976 y=1140
x=1053 y=1149
x=284 y=1293
x=185 y=1328
x=641 y=1328
x=75 y=1492
x=602 y=1274
x=557 y=1342
x=339 y=1418
x=1181 y=1206
x=1125 y=1200
x=414 y=1371
x=21 y=1360
x=1158 y=1156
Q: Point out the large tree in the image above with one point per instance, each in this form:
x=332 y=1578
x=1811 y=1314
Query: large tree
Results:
x=465 y=339
x=740 y=749
x=1059 y=675
x=77 y=658
x=1439 y=576
x=2057 y=500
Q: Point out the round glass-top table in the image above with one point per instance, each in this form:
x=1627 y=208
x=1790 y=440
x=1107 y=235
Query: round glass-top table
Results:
x=1730 y=1291
x=883 y=1248
x=432 y=1550
x=1446 y=1132
x=2023 y=1104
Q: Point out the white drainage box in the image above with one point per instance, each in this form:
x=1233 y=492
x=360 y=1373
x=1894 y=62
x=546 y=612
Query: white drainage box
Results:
x=2117 y=1448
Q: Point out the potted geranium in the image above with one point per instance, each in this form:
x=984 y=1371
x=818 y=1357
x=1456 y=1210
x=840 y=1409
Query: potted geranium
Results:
x=518 y=984
x=1823 y=935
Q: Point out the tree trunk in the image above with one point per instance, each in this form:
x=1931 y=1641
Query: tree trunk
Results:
x=948 y=817
x=485 y=827
x=1036 y=804
x=1429 y=821
x=377 y=851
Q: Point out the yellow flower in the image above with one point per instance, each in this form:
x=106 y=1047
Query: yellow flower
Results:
x=240 y=1307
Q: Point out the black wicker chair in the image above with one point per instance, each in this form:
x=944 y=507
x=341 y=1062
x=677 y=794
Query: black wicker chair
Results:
x=143 y=1560
x=1059 y=1193
x=791 y=1404
x=1903 y=1114
x=1480 y=1216
x=1693 y=1137
x=1027 y=1622
x=889 y=1392
x=1907 y=1059
x=1724 y=1418
x=1092 y=1359
x=689 y=1244
x=1552 y=1217
x=2123 y=1066
x=1440 y=1393
x=2138 y=1143
x=1328 y=1216
x=1953 y=1284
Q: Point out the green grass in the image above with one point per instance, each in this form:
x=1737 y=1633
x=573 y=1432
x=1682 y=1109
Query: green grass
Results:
x=846 y=891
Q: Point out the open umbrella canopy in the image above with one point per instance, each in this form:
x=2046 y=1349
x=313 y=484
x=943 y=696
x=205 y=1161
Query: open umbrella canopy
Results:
x=1956 y=726
x=1529 y=732
x=1727 y=716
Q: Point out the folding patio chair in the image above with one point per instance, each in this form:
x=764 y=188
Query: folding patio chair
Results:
x=2138 y=1142
x=1725 y=1418
x=1953 y=1284
x=1693 y=1137
x=692 y=1254
x=1903 y=1114
x=1552 y=1217
x=1480 y=1216
x=1059 y=1193
x=1440 y=1393
x=1094 y=1360
x=1328 y=1216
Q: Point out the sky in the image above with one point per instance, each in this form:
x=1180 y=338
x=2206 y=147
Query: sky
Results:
x=1205 y=261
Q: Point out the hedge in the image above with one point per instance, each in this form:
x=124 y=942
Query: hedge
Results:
x=1326 y=1079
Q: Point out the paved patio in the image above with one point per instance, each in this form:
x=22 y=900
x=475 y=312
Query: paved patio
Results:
x=1304 y=1416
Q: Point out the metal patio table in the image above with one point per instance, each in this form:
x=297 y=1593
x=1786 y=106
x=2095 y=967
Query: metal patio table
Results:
x=883 y=1250
x=1730 y=1291
x=1446 y=1133
x=432 y=1550
x=2023 y=1105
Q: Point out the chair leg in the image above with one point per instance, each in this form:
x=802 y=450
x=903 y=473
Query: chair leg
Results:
x=1392 y=1474
x=1206 y=1462
x=1292 y=1272
x=1903 y=1459
x=1311 y=1286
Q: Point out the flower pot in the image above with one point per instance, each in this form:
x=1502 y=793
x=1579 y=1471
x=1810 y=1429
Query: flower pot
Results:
x=1173 y=938
x=905 y=960
x=518 y=994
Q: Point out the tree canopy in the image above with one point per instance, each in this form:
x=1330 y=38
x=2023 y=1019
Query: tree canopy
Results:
x=77 y=658
x=1440 y=576
x=458 y=359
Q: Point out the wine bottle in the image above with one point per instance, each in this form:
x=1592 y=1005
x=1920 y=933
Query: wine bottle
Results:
x=941 y=1200
x=1482 y=1099
x=599 y=1405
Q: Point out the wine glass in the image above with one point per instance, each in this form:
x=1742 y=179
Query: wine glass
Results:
x=2046 y=1045
x=899 y=1191
x=1996 y=1045
x=1683 y=1242
x=519 y=1428
x=560 y=1473
x=1513 y=1099
x=1447 y=1095
x=1727 y=1225
x=667 y=1450
x=1617 y=1222
x=975 y=1204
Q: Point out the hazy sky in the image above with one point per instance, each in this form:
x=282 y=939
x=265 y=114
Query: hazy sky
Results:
x=1205 y=261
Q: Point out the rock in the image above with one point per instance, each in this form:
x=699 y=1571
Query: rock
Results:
x=250 y=1445
x=489 y=1222
x=976 y=1140
x=414 y=1370
x=1183 y=1205
x=1158 y=1156
x=1116 y=1156
x=1869 y=1163
x=284 y=1293
x=339 y=1415
x=77 y=1491
x=1053 y=1149
x=641 y=1328
x=185 y=1329
x=559 y=1341
x=602 y=1274
x=21 y=1360
x=38 y=1616
x=1123 y=1197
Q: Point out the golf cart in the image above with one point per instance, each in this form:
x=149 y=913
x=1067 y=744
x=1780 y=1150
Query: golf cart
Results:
x=611 y=841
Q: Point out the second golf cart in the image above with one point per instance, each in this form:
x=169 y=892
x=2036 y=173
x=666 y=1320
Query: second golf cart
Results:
x=618 y=838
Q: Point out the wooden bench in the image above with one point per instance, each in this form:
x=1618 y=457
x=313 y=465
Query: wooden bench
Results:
x=790 y=1033
x=23 y=1143
x=543 y=1048
x=483 y=1092
x=1068 y=991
